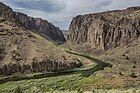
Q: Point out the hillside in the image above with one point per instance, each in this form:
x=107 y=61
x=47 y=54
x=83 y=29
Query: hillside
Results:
x=37 y=25
x=41 y=27
x=24 y=51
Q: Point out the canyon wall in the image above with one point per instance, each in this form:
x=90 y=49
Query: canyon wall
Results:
x=106 y=30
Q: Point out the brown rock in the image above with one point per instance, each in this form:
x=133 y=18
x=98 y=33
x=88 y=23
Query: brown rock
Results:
x=106 y=30
x=38 y=66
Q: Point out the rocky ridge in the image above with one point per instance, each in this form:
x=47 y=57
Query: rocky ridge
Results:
x=38 y=25
x=41 y=27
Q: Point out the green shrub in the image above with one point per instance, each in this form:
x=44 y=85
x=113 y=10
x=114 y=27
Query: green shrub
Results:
x=18 y=89
x=1 y=49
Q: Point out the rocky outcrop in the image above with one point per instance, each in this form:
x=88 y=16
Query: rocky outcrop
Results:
x=7 y=13
x=41 y=27
x=38 y=65
x=106 y=30
x=38 y=25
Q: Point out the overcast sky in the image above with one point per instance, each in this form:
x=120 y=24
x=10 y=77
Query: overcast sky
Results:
x=60 y=12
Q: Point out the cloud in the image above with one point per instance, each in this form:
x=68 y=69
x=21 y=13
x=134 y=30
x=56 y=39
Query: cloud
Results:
x=103 y=4
x=121 y=4
x=42 y=5
x=60 y=12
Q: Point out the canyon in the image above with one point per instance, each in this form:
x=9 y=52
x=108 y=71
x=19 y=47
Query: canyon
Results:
x=98 y=51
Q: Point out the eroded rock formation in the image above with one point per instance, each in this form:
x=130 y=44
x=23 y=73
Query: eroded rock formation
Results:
x=38 y=65
x=106 y=30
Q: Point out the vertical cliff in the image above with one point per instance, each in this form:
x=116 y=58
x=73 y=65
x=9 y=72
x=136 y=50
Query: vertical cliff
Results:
x=106 y=30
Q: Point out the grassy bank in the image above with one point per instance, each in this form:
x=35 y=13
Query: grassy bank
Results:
x=80 y=79
x=62 y=84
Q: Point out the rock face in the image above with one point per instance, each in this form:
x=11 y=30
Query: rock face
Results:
x=7 y=13
x=106 y=30
x=38 y=66
x=42 y=27
x=38 y=25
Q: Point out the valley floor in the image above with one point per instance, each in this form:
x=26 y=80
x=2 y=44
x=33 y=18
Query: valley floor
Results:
x=61 y=84
x=81 y=80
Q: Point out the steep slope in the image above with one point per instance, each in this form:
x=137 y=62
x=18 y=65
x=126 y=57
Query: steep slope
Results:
x=7 y=13
x=38 y=25
x=125 y=61
x=22 y=51
x=42 y=27
x=106 y=30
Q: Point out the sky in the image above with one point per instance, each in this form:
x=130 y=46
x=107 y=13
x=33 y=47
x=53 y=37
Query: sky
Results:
x=61 y=12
